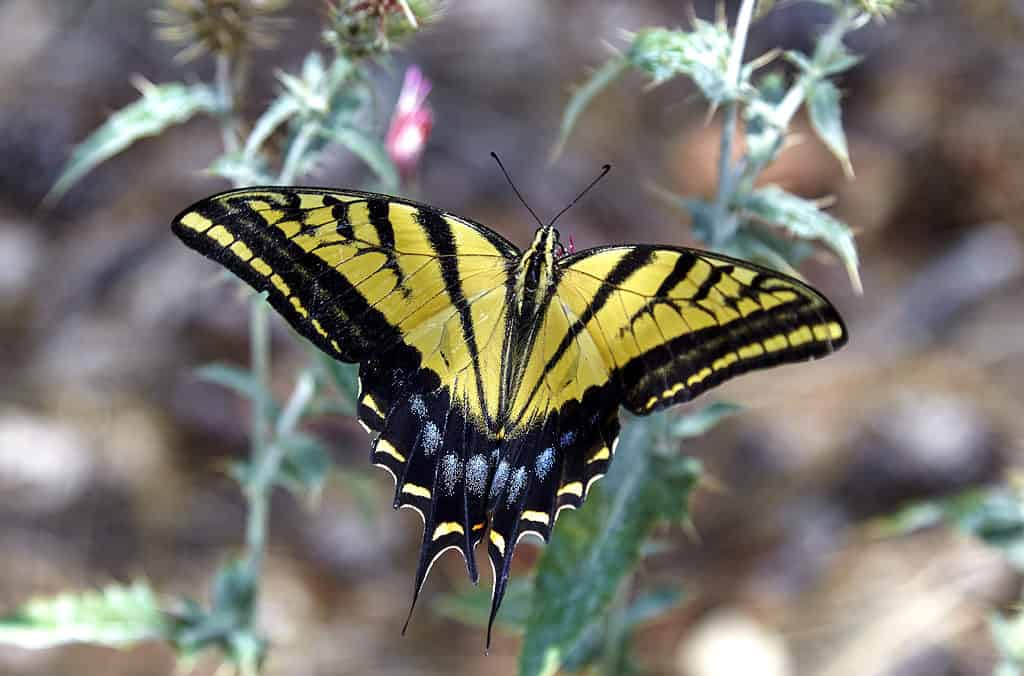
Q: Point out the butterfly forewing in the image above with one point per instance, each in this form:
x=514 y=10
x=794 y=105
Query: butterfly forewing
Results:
x=672 y=322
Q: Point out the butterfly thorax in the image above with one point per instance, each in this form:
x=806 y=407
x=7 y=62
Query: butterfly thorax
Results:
x=534 y=279
x=535 y=273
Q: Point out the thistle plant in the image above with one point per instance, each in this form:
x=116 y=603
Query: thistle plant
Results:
x=327 y=105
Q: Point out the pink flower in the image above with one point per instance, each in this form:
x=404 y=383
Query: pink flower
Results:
x=410 y=123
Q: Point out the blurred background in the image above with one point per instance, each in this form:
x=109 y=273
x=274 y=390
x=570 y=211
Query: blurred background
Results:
x=113 y=454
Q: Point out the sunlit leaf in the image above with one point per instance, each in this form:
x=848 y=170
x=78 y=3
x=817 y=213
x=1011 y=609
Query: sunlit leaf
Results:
x=826 y=118
x=160 y=107
x=803 y=218
x=593 y=549
x=115 y=616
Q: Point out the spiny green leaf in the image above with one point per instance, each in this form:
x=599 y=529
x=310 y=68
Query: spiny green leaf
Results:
x=160 y=107
x=803 y=218
x=582 y=97
x=700 y=421
x=115 y=616
x=701 y=54
x=596 y=547
x=826 y=118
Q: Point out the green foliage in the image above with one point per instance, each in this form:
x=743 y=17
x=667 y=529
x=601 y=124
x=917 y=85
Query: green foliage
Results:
x=711 y=56
x=225 y=625
x=160 y=107
x=580 y=614
x=1008 y=635
x=995 y=515
x=115 y=616
x=327 y=104
x=803 y=218
x=305 y=464
x=701 y=54
x=596 y=547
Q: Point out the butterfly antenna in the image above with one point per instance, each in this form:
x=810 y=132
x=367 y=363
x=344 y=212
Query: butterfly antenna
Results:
x=515 y=189
x=604 y=172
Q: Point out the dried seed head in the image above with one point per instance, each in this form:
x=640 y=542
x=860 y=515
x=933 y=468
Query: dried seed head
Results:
x=362 y=28
x=219 y=26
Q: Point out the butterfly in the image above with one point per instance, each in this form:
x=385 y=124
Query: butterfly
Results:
x=491 y=378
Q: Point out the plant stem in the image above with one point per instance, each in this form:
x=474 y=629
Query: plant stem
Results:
x=227 y=86
x=256 y=493
x=721 y=229
x=831 y=42
x=296 y=150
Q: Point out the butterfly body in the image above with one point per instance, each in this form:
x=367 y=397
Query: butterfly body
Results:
x=491 y=379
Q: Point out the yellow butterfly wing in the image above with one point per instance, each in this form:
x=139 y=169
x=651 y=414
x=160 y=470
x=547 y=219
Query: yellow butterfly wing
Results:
x=671 y=323
x=418 y=296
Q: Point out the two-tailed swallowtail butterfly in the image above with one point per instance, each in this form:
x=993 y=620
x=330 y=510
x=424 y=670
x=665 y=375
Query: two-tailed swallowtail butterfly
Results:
x=491 y=378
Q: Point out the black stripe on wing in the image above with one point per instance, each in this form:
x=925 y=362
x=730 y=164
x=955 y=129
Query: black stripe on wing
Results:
x=312 y=296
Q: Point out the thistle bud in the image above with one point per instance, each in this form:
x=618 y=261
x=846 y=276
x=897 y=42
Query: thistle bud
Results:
x=411 y=123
